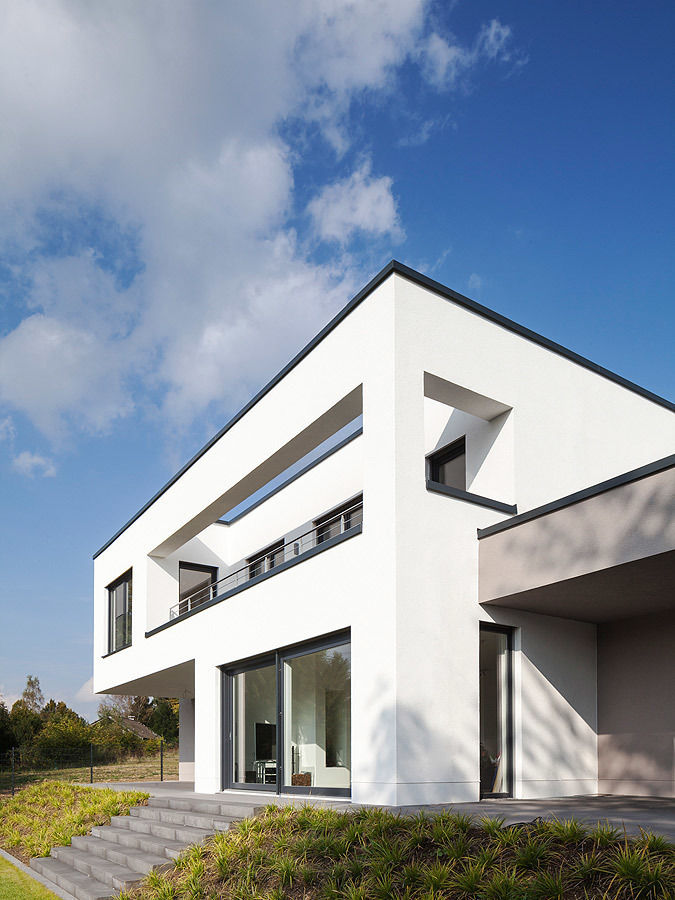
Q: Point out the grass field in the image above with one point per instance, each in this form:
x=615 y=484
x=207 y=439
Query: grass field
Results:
x=146 y=768
x=45 y=815
x=321 y=854
x=14 y=885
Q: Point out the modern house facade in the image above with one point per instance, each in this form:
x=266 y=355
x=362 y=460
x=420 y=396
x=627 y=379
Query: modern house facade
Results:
x=432 y=560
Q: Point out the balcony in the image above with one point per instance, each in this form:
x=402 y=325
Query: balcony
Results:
x=278 y=556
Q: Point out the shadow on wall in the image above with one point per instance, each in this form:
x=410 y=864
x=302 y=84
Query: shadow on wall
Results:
x=417 y=739
x=481 y=435
x=633 y=518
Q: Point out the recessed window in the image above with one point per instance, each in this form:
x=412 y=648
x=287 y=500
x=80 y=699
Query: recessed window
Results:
x=339 y=520
x=119 y=613
x=266 y=560
x=195 y=585
x=448 y=466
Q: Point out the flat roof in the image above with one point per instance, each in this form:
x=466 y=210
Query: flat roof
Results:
x=416 y=277
x=659 y=465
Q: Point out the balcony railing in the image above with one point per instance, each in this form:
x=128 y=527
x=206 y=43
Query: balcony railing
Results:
x=273 y=557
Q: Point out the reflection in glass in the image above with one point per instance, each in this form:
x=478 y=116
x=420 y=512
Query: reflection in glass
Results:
x=254 y=732
x=494 y=713
x=119 y=613
x=317 y=715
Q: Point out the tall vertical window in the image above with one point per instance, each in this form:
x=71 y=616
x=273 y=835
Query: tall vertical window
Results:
x=495 y=711
x=119 y=613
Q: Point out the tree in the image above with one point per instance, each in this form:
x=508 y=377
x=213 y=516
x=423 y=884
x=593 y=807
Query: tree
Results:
x=26 y=724
x=58 y=712
x=164 y=721
x=7 y=739
x=122 y=706
x=32 y=694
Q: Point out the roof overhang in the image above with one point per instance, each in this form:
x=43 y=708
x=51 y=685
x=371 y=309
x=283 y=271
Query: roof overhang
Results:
x=603 y=554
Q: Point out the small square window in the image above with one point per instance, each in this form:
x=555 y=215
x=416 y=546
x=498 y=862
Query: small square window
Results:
x=267 y=560
x=119 y=613
x=448 y=466
x=340 y=520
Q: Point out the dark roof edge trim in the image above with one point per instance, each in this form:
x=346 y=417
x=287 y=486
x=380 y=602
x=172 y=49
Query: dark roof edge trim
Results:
x=533 y=336
x=292 y=478
x=344 y=312
x=424 y=281
x=659 y=465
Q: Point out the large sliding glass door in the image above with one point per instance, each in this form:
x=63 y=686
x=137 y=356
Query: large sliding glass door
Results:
x=496 y=761
x=302 y=695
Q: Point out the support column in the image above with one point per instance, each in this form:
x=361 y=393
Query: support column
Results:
x=208 y=727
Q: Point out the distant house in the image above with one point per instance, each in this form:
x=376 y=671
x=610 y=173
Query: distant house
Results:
x=130 y=724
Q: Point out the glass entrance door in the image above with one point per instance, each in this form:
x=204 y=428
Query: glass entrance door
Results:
x=495 y=711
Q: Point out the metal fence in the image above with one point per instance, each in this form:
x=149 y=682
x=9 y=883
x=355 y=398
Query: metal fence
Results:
x=86 y=764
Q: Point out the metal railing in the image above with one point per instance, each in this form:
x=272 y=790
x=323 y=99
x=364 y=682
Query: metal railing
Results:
x=277 y=553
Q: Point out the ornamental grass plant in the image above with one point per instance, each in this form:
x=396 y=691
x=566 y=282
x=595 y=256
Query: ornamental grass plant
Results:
x=289 y=853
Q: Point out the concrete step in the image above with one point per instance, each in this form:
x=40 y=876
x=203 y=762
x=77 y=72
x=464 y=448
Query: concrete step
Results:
x=115 y=857
x=81 y=886
x=136 y=840
x=112 y=840
x=114 y=873
x=101 y=852
x=234 y=809
x=187 y=817
x=162 y=829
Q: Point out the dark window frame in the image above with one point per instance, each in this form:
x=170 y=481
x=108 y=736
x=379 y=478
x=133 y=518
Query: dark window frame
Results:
x=276 y=658
x=110 y=588
x=196 y=567
x=326 y=521
x=509 y=632
x=446 y=454
x=266 y=558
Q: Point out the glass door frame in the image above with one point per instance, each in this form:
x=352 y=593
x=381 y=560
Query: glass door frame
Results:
x=276 y=658
x=508 y=632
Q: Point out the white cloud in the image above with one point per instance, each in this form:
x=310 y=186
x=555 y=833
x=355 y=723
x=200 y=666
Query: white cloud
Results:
x=85 y=693
x=474 y=283
x=7 y=429
x=447 y=62
x=31 y=464
x=8 y=699
x=359 y=203
x=164 y=120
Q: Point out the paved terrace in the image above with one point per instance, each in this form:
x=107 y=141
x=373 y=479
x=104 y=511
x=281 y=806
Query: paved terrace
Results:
x=630 y=813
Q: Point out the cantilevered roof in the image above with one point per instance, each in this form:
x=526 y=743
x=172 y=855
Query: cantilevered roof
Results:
x=395 y=267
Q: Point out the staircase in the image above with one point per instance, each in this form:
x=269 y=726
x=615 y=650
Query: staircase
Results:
x=115 y=857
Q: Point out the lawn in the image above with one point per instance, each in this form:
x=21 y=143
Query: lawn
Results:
x=371 y=854
x=146 y=768
x=15 y=885
x=44 y=815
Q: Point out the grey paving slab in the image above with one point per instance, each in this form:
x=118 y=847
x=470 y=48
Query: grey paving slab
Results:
x=632 y=813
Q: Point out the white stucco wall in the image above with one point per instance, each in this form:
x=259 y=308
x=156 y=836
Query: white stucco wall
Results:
x=407 y=587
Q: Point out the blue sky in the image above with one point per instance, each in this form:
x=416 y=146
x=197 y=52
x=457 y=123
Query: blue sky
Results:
x=189 y=196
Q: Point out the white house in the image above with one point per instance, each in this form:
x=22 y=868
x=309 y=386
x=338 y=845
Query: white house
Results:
x=432 y=560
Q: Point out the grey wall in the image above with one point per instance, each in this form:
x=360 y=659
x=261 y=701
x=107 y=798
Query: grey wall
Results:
x=627 y=523
x=636 y=706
